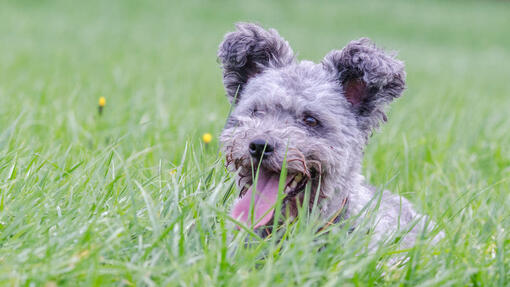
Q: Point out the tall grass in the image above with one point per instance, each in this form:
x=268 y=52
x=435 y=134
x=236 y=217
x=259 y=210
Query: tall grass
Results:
x=133 y=197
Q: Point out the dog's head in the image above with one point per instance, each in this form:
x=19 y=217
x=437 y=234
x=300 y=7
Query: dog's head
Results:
x=316 y=117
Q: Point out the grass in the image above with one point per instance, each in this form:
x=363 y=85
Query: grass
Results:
x=133 y=197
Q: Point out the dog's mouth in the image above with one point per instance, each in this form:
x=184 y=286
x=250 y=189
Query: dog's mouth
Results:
x=256 y=204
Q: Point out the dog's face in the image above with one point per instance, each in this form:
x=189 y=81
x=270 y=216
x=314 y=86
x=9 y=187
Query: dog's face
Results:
x=316 y=117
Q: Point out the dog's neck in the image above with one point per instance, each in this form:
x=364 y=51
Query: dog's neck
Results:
x=336 y=188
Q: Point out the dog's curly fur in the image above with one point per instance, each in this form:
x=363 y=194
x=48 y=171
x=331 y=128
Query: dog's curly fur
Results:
x=347 y=92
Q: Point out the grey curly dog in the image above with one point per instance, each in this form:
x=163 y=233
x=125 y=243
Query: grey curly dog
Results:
x=316 y=117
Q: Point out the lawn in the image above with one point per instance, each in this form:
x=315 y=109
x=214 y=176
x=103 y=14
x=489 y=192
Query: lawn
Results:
x=134 y=197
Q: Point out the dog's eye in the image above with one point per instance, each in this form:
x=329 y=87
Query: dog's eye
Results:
x=257 y=113
x=310 y=121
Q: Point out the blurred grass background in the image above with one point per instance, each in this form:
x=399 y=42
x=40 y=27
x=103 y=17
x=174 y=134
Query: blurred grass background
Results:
x=127 y=198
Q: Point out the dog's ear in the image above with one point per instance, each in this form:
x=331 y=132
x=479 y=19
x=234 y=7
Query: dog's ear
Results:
x=247 y=52
x=370 y=79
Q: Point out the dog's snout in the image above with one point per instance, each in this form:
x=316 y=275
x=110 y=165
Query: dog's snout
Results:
x=260 y=148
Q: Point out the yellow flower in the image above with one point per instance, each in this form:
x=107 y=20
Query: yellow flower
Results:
x=84 y=253
x=207 y=138
x=102 y=101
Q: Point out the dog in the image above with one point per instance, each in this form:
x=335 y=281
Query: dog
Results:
x=315 y=117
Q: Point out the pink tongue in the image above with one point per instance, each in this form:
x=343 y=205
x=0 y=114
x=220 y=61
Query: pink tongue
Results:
x=264 y=200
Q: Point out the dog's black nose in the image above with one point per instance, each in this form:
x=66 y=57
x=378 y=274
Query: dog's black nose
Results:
x=259 y=146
